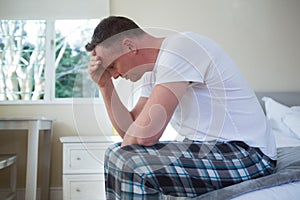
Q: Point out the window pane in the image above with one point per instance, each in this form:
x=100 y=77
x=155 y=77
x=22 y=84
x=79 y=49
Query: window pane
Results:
x=72 y=79
x=22 y=59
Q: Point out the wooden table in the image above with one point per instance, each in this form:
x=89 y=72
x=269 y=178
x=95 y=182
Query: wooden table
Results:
x=34 y=126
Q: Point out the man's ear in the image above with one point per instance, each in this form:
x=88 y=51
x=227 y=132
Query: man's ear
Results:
x=129 y=45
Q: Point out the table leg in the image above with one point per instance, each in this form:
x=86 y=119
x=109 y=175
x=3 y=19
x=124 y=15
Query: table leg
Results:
x=13 y=179
x=32 y=160
x=46 y=158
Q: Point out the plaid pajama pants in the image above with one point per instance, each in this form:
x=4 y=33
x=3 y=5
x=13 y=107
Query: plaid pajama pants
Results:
x=184 y=169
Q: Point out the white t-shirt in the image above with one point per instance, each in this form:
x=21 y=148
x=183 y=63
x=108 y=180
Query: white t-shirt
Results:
x=218 y=104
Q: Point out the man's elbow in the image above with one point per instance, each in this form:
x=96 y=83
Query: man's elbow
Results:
x=147 y=141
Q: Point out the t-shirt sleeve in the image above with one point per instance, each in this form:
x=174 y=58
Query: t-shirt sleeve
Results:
x=182 y=59
x=147 y=84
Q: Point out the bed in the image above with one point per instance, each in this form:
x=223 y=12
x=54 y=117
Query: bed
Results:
x=283 y=113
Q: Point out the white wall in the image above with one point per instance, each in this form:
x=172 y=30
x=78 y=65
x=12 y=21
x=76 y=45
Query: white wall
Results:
x=54 y=9
x=262 y=36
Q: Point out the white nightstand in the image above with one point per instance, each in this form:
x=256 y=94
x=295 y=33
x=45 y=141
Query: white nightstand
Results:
x=83 y=171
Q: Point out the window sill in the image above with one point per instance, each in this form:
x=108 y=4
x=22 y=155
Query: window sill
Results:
x=55 y=102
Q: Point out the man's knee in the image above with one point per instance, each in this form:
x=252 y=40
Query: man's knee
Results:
x=112 y=148
x=119 y=156
x=127 y=159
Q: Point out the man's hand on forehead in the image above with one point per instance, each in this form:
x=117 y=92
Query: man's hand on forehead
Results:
x=98 y=74
x=99 y=60
x=95 y=61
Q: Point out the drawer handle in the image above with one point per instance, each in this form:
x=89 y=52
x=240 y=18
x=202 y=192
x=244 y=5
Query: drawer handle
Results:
x=78 y=158
x=77 y=190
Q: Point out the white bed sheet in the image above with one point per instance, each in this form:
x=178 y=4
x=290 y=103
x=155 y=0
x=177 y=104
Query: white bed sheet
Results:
x=290 y=191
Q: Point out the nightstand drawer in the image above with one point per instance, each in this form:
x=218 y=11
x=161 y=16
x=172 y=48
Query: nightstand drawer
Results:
x=84 y=187
x=83 y=167
x=84 y=158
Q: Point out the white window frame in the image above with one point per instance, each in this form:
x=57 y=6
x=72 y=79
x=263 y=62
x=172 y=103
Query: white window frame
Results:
x=50 y=61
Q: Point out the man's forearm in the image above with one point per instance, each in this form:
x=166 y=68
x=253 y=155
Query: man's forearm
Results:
x=119 y=115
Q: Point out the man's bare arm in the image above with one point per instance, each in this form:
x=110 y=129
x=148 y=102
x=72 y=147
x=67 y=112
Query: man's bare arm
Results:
x=155 y=115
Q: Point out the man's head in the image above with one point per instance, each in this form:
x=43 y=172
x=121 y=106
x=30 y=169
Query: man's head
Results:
x=115 y=27
x=123 y=47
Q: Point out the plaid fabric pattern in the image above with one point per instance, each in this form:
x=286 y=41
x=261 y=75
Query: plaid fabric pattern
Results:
x=185 y=169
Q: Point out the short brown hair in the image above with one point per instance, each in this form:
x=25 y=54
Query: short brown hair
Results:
x=112 y=26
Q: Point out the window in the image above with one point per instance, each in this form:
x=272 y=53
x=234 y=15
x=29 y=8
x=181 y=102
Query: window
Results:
x=71 y=58
x=45 y=59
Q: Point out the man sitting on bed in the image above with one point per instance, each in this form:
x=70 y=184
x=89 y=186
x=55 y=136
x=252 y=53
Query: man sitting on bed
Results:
x=189 y=81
